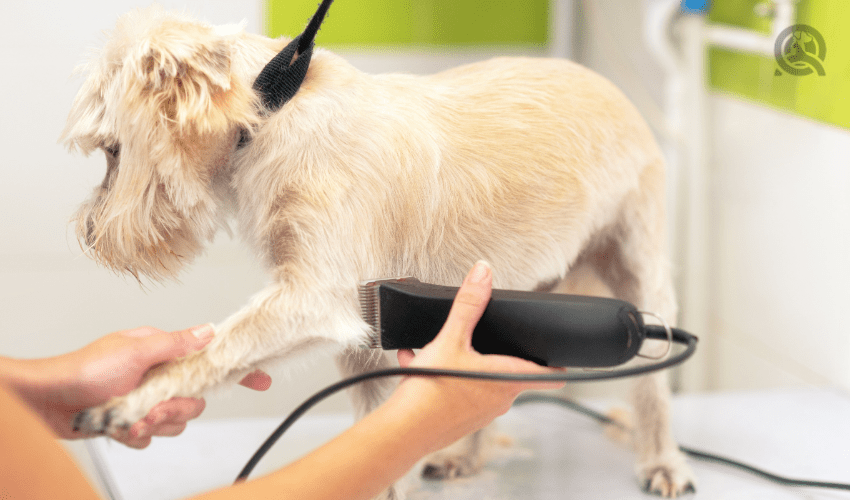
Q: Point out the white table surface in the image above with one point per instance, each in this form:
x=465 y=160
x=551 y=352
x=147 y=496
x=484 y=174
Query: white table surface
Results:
x=557 y=454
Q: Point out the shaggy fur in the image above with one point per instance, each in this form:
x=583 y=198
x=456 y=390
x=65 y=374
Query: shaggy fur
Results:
x=538 y=166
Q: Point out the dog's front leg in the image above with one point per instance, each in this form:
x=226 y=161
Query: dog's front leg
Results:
x=279 y=323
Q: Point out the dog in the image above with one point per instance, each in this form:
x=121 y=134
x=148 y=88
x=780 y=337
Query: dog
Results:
x=539 y=166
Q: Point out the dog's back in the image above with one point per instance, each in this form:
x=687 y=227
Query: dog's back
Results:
x=520 y=160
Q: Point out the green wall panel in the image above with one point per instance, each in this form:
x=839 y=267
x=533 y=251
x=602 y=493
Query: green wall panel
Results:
x=825 y=98
x=416 y=22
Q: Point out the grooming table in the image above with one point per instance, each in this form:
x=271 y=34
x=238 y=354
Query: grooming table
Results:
x=557 y=454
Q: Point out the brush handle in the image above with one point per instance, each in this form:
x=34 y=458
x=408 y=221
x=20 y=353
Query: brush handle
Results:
x=549 y=329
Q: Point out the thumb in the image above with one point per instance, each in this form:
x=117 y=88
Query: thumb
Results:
x=158 y=346
x=469 y=304
x=405 y=357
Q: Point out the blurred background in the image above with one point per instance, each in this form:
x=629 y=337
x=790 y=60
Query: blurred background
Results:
x=757 y=145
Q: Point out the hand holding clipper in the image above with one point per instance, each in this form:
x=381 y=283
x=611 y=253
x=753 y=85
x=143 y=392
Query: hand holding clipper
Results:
x=548 y=329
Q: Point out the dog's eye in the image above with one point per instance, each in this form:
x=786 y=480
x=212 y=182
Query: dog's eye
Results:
x=112 y=150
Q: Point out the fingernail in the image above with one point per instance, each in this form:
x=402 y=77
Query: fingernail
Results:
x=203 y=332
x=480 y=272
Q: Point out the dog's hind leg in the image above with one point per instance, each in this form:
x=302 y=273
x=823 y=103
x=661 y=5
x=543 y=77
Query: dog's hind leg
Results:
x=631 y=258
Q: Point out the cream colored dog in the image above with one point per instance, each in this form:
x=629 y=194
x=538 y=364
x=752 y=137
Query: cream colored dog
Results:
x=539 y=166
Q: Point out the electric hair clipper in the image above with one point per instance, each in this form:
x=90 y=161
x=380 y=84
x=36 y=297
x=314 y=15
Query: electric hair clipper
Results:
x=546 y=328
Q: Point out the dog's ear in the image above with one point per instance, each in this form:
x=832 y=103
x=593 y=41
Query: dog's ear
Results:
x=180 y=75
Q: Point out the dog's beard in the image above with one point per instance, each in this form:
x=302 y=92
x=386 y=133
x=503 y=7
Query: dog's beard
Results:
x=156 y=242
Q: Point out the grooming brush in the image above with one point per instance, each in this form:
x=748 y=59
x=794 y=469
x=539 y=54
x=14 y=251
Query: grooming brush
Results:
x=546 y=328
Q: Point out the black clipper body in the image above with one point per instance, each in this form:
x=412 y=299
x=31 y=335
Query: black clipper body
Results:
x=549 y=329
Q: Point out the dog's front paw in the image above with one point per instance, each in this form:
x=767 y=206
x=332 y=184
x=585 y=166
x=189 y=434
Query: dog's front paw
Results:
x=390 y=493
x=668 y=477
x=444 y=466
x=112 y=418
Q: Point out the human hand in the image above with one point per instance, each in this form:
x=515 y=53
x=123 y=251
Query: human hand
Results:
x=113 y=366
x=465 y=405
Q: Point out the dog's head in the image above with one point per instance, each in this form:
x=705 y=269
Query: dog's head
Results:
x=163 y=104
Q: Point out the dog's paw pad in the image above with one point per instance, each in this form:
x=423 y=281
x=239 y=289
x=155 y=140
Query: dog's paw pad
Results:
x=668 y=482
x=449 y=468
x=101 y=420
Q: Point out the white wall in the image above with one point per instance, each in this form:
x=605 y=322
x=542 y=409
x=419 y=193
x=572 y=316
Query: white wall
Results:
x=781 y=200
x=778 y=224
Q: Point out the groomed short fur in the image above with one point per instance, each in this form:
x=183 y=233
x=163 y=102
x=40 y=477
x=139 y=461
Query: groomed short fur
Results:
x=539 y=166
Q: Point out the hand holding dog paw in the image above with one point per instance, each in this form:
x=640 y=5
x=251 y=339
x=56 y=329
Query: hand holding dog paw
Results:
x=113 y=366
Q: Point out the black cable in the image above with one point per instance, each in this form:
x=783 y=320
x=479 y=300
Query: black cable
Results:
x=652 y=331
x=679 y=336
x=697 y=454
x=767 y=475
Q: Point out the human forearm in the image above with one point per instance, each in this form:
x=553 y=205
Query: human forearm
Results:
x=33 y=380
x=421 y=417
x=33 y=465
x=357 y=464
x=15 y=373
x=45 y=385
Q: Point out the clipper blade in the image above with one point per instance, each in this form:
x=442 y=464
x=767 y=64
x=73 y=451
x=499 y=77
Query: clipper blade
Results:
x=370 y=306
